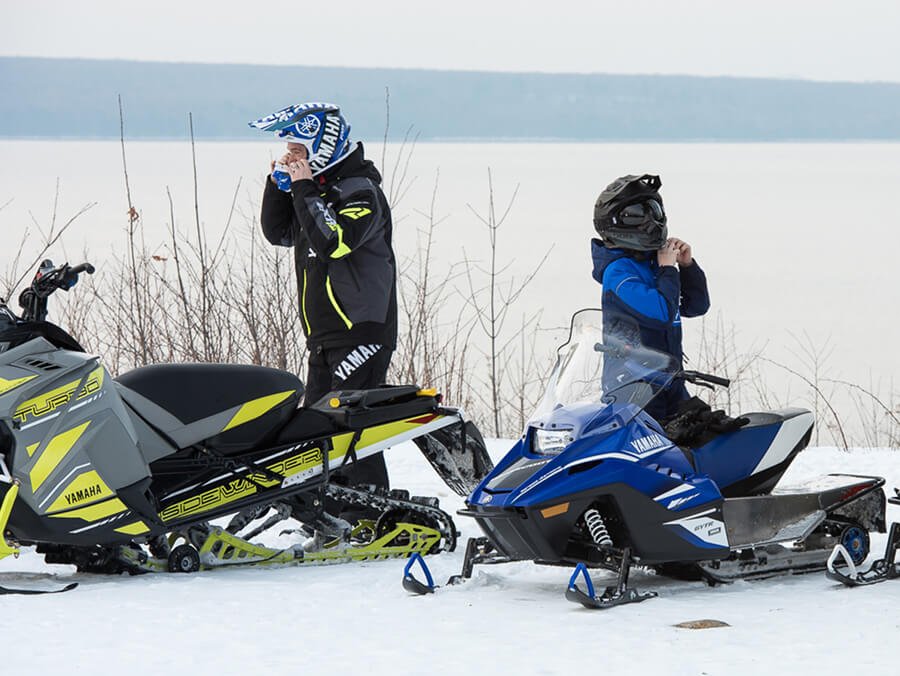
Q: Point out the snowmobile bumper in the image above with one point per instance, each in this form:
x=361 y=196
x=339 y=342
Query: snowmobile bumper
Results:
x=529 y=534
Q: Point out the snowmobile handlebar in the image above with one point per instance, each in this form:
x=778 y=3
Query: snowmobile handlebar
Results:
x=623 y=351
x=632 y=352
x=48 y=279
x=703 y=378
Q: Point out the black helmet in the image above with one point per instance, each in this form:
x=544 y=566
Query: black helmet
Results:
x=629 y=214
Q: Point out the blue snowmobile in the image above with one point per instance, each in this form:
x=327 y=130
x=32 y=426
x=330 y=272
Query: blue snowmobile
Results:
x=595 y=481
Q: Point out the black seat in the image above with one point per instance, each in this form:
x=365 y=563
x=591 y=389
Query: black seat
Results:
x=192 y=392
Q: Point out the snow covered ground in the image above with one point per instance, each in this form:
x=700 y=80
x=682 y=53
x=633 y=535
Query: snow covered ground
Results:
x=510 y=618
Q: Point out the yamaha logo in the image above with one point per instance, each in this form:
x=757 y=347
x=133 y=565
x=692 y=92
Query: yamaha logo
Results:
x=309 y=126
x=486 y=498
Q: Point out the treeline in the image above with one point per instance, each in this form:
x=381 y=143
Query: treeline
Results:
x=76 y=98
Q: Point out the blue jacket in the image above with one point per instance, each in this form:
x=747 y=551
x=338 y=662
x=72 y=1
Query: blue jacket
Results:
x=644 y=303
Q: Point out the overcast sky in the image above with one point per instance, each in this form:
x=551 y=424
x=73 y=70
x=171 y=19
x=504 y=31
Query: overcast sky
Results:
x=815 y=39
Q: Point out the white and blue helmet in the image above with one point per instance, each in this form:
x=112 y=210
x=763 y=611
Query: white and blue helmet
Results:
x=318 y=126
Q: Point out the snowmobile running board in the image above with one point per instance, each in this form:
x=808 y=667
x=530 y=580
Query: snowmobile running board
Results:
x=885 y=568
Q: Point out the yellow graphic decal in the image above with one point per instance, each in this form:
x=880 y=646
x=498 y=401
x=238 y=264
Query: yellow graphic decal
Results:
x=85 y=489
x=373 y=435
x=337 y=308
x=254 y=409
x=94 y=512
x=49 y=401
x=51 y=456
x=241 y=487
x=9 y=385
x=303 y=306
x=355 y=212
x=342 y=249
x=135 y=528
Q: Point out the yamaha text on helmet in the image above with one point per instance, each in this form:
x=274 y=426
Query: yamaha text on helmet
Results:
x=318 y=126
x=629 y=214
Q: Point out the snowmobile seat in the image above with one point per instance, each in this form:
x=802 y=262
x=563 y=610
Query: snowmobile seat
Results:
x=194 y=392
x=733 y=459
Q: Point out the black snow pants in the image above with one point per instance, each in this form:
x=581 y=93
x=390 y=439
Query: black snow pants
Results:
x=357 y=367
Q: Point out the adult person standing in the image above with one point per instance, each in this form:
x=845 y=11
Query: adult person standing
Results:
x=323 y=198
x=650 y=281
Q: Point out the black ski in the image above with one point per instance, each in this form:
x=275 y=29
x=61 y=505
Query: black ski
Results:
x=615 y=595
x=885 y=568
x=33 y=592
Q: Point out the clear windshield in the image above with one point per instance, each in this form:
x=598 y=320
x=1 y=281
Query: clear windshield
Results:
x=591 y=370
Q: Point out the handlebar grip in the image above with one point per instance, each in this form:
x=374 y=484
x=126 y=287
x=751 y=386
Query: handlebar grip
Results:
x=716 y=380
x=701 y=378
x=612 y=350
x=84 y=267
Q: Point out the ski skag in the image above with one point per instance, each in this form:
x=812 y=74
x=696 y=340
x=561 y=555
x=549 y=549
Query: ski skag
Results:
x=841 y=567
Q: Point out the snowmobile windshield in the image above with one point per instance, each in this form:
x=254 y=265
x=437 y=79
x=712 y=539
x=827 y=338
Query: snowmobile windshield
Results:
x=593 y=371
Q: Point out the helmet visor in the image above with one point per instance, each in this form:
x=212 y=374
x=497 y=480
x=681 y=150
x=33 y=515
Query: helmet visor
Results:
x=641 y=212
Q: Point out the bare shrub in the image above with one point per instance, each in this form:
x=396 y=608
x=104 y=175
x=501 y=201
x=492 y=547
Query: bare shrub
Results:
x=491 y=295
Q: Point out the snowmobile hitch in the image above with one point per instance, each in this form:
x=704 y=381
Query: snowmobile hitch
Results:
x=615 y=595
x=885 y=568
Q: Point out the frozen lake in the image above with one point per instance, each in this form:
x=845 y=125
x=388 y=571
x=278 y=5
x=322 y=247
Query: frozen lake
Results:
x=796 y=239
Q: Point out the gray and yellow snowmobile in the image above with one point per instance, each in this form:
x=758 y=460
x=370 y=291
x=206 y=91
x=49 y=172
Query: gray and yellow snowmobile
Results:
x=140 y=473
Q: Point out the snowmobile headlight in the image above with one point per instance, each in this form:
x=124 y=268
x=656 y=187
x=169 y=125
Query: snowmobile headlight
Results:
x=551 y=441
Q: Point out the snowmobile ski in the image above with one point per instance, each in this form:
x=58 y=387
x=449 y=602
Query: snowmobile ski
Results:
x=476 y=552
x=411 y=583
x=615 y=595
x=841 y=566
x=34 y=592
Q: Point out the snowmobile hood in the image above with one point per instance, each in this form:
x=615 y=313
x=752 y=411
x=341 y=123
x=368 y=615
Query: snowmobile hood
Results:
x=601 y=450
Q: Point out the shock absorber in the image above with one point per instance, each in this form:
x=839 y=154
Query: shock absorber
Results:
x=597 y=528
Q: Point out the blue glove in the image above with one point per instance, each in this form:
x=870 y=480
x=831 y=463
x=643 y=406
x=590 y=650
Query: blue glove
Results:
x=282 y=177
